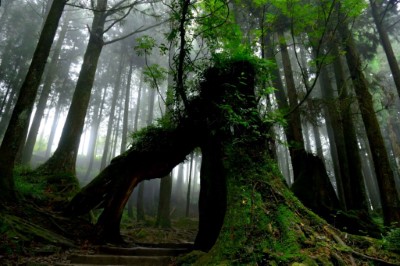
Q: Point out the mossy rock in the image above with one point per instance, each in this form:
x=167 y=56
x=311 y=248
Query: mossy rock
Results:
x=190 y=258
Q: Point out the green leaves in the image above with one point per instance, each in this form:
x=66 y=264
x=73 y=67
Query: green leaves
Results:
x=145 y=45
x=154 y=74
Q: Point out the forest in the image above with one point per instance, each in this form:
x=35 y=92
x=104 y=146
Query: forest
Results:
x=213 y=132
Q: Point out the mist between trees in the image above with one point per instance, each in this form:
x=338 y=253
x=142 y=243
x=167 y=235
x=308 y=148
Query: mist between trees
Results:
x=329 y=88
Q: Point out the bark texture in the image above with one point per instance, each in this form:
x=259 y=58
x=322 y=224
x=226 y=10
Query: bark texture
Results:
x=156 y=150
x=19 y=123
x=64 y=158
x=386 y=44
x=389 y=197
x=44 y=96
x=262 y=222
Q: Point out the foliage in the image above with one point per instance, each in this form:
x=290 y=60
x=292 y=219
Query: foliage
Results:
x=143 y=139
x=145 y=45
x=258 y=227
x=29 y=186
x=153 y=74
x=10 y=243
x=218 y=28
x=52 y=190
x=391 y=241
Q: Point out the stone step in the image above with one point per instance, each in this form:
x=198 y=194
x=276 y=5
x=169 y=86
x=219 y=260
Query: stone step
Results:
x=143 y=251
x=78 y=264
x=187 y=245
x=119 y=260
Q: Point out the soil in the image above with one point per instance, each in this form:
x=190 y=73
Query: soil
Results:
x=33 y=235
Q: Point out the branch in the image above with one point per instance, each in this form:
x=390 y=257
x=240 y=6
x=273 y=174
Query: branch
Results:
x=117 y=7
x=319 y=63
x=118 y=20
x=141 y=29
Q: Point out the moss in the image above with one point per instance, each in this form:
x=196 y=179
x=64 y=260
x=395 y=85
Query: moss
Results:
x=190 y=258
x=55 y=190
x=391 y=241
x=18 y=231
x=28 y=185
x=259 y=226
x=266 y=224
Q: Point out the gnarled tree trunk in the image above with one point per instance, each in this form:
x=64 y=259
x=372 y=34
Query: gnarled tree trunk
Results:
x=247 y=214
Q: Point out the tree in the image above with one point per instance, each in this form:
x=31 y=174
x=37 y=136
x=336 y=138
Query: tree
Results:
x=126 y=108
x=19 y=122
x=389 y=196
x=297 y=144
x=44 y=95
x=108 y=223
x=97 y=115
x=64 y=158
x=115 y=95
x=384 y=38
x=350 y=162
x=257 y=219
x=188 y=193
x=164 y=204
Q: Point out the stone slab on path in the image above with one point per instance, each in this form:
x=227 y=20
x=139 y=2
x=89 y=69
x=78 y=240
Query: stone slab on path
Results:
x=120 y=260
x=143 y=251
x=143 y=256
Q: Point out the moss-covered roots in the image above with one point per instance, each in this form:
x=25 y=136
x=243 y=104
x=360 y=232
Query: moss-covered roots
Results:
x=265 y=224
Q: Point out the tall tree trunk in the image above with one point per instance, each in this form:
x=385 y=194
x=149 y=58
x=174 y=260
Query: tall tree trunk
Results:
x=4 y=15
x=44 y=95
x=178 y=190
x=97 y=115
x=4 y=101
x=279 y=91
x=126 y=108
x=296 y=142
x=164 y=203
x=135 y=128
x=117 y=87
x=138 y=104
x=116 y=134
x=350 y=161
x=5 y=116
x=389 y=196
x=387 y=46
x=188 y=194
x=64 y=158
x=369 y=174
x=164 y=198
x=14 y=136
x=140 y=215
x=55 y=120
x=140 y=198
x=335 y=132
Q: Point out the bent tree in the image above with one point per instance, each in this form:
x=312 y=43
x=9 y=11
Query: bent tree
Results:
x=247 y=214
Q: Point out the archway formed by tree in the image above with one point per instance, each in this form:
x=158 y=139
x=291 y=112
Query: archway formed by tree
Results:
x=246 y=212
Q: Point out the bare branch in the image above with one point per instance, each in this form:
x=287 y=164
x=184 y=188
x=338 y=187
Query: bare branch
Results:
x=141 y=29
x=118 y=20
x=116 y=7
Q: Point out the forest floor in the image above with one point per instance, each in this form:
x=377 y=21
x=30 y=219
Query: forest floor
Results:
x=33 y=235
x=35 y=232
